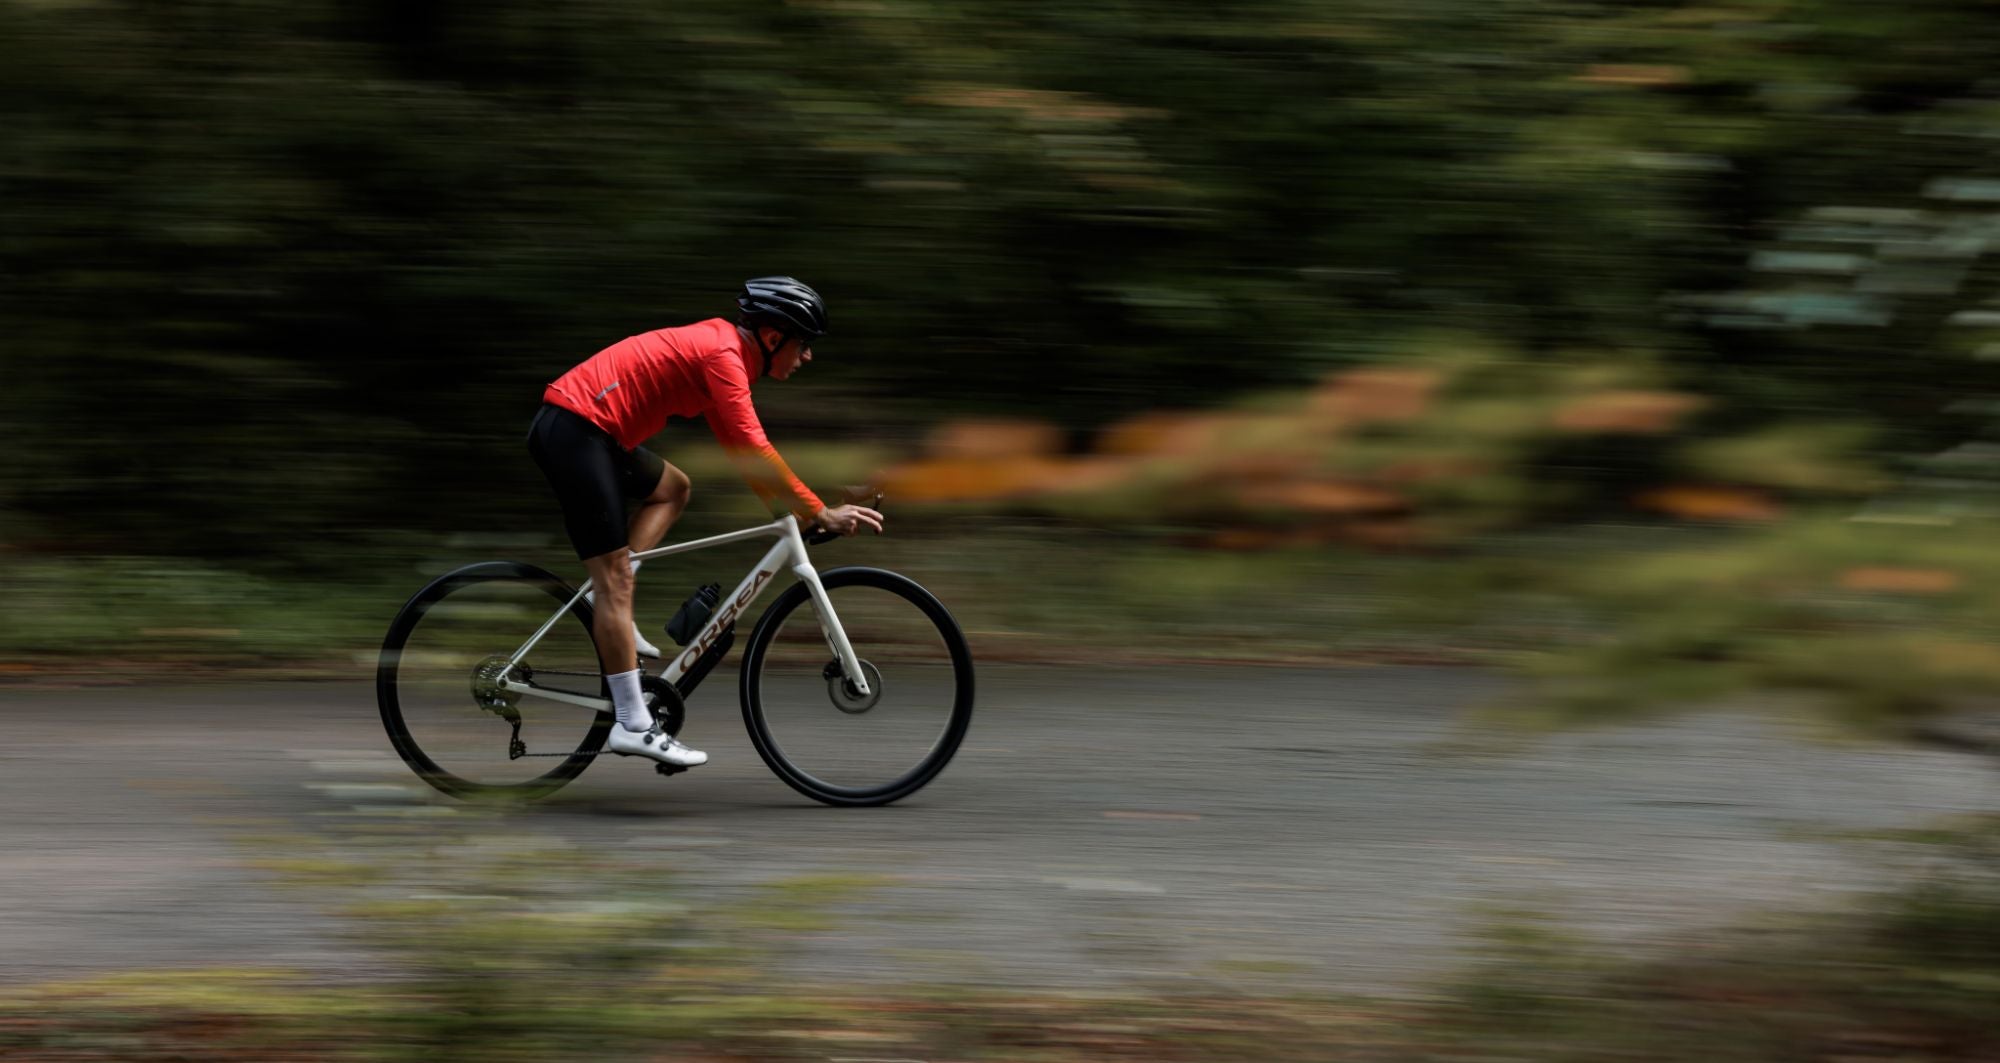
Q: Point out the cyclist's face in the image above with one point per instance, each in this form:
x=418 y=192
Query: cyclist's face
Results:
x=789 y=357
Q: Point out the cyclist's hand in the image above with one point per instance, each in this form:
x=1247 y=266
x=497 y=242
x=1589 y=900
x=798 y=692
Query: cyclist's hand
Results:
x=848 y=520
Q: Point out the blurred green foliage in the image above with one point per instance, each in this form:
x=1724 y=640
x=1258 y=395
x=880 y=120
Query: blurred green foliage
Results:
x=277 y=271
x=284 y=282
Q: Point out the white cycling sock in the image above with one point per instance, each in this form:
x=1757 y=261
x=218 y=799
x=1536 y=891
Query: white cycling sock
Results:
x=628 y=702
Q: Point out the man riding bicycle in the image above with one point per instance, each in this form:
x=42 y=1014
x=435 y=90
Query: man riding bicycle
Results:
x=617 y=497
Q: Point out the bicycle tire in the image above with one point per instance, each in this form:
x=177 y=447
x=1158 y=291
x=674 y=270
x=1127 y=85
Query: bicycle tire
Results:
x=390 y=681
x=757 y=653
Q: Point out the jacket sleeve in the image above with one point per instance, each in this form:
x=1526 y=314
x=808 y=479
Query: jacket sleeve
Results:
x=734 y=421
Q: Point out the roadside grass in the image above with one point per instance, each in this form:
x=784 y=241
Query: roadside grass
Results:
x=1884 y=626
x=1887 y=620
x=1021 y=591
x=506 y=950
x=1910 y=974
x=1024 y=585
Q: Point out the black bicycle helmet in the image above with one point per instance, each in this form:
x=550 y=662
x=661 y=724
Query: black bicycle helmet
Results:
x=784 y=304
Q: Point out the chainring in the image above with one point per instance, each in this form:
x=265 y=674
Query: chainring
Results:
x=664 y=702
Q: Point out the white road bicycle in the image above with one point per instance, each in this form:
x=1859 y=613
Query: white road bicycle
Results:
x=856 y=682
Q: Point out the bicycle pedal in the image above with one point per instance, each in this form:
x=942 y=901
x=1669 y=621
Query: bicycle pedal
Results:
x=668 y=769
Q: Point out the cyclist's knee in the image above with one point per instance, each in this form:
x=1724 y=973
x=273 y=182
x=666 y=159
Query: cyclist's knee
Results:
x=674 y=486
x=611 y=577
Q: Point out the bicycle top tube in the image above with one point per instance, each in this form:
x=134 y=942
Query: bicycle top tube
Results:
x=777 y=529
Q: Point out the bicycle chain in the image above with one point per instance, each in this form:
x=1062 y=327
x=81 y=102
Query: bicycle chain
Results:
x=517 y=749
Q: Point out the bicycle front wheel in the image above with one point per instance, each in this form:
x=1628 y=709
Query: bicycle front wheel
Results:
x=822 y=736
x=439 y=680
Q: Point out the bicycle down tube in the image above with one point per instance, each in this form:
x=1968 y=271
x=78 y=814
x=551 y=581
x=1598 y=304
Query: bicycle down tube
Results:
x=790 y=546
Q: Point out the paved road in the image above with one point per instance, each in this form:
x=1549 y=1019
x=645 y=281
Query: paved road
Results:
x=1240 y=826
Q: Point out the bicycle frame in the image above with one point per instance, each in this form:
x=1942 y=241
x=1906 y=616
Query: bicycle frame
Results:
x=788 y=551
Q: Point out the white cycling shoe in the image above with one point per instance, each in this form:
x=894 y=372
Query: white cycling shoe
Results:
x=655 y=744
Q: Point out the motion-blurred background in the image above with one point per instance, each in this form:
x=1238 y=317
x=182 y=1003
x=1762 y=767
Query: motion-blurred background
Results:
x=1649 y=349
x=284 y=280
x=1132 y=285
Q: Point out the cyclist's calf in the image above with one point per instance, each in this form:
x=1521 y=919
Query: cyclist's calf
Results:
x=611 y=582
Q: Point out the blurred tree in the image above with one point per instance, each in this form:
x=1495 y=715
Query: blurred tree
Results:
x=279 y=269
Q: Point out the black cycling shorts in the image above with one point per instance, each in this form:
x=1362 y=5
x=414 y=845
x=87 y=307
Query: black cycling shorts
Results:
x=593 y=477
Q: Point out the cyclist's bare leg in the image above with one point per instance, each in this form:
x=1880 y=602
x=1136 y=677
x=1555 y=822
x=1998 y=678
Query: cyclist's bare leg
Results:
x=638 y=732
x=611 y=581
x=617 y=642
x=660 y=510
x=647 y=525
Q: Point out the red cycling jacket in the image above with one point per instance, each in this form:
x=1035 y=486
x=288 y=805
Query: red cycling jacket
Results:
x=630 y=388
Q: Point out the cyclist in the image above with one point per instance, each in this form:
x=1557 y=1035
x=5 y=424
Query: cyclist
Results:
x=617 y=497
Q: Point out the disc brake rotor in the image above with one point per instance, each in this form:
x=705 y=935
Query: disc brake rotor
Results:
x=844 y=696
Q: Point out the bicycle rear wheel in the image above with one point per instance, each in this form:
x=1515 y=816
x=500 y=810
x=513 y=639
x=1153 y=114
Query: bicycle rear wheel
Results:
x=820 y=735
x=437 y=683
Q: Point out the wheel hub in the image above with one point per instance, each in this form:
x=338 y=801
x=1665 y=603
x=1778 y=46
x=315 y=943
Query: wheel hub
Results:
x=844 y=696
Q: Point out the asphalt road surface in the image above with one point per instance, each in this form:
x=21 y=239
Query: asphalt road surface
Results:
x=1238 y=827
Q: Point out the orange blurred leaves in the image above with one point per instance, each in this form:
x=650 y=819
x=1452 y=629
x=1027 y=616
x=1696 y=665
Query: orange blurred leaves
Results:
x=1634 y=75
x=1167 y=434
x=1324 y=497
x=1389 y=455
x=994 y=438
x=989 y=459
x=1378 y=395
x=1629 y=412
x=1902 y=580
x=1708 y=502
x=995 y=478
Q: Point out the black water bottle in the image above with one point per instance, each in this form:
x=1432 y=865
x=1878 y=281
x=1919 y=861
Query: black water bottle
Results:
x=693 y=613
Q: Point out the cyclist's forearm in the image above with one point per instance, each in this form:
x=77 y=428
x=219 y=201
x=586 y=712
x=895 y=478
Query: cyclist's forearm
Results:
x=774 y=482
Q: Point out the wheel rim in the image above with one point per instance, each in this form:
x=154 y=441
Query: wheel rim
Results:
x=805 y=713
x=440 y=679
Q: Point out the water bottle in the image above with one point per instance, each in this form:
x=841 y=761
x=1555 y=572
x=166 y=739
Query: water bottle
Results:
x=693 y=613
